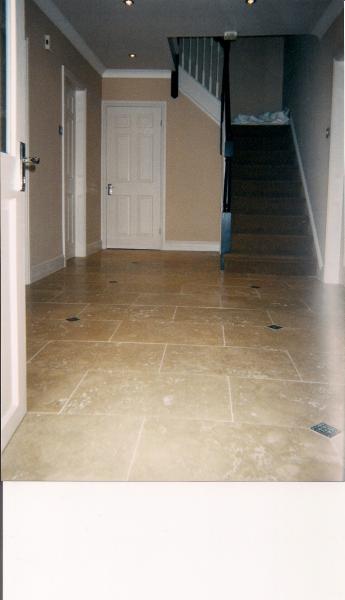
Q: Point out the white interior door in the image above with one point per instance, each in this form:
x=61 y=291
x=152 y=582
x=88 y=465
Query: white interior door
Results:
x=13 y=225
x=70 y=156
x=133 y=176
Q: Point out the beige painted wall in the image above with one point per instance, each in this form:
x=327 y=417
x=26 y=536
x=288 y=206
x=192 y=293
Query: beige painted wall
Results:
x=193 y=177
x=45 y=141
x=308 y=94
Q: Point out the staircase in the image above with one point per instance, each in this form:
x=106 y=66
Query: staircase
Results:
x=271 y=232
x=270 y=225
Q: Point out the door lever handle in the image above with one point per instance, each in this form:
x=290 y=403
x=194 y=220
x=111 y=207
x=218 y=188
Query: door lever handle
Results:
x=31 y=161
x=110 y=189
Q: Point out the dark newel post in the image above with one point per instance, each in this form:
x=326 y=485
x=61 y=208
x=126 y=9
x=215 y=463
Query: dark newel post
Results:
x=174 y=84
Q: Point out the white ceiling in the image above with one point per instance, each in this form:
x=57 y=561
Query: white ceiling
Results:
x=112 y=30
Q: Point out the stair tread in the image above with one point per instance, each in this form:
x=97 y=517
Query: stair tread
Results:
x=271 y=257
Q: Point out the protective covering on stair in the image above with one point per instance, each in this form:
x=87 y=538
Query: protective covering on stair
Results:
x=267 y=118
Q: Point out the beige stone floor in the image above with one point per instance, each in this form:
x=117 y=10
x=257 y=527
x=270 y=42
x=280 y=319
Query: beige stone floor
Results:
x=172 y=374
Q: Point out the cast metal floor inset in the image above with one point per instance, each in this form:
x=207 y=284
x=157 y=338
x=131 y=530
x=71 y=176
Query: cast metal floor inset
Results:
x=325 y=429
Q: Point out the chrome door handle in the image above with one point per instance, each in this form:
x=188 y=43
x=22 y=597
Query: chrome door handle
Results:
x=31 y=161
x=110 y=189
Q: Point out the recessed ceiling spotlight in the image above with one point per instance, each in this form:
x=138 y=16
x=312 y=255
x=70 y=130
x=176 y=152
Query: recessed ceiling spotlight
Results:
x=132 y=55
x=250 y=2
x=128 y=2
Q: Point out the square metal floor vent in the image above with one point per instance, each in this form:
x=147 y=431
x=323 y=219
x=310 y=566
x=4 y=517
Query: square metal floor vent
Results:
x=325 y=429
x=275 y=327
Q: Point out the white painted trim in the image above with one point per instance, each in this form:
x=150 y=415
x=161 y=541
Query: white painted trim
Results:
x=27 y=196
x=307 y=196
x=332 y=11
x=80 y=163
x=191 y=246
x=47 y=267
x=334 y=221
x=59 y=20
x=137 y=74
x=163 y=106
x=80 y=172
x=199 y=95
x=94 y=247
x=63 y=232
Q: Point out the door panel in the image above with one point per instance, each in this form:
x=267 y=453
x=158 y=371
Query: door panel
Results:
x=133 y=168
x=13 y=231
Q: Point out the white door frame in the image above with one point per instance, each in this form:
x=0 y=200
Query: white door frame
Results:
x=13 y=230
x=127 y=104
x=335 y=202
x=80 y=163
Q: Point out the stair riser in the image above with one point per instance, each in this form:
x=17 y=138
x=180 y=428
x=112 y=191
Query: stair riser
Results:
x=275 y=245
x=280 y=188
x=267 y=224
x=269 y=268
x=263 y=144
x=261 y=131
x=265 y=172
x=270 y=206
x=274 y=157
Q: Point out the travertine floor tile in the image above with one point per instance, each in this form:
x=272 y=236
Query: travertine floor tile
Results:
x=111 y=312
x=33 y=346
x=102 y=355
x=49 y=389
x=169 y=332
x=243 y=362
x=107 y=296
x=48 y=329
x=71 y=448
x=222 y=315
x=288 y=405
x=179 y=299
x=151 y=394
x=300 y=340
x=303 y=318
x=160 y=401
x=46 y=310
x=213 y=451
x=323 y=368
x=41 y=295
x=244 y=291
x=249 y=302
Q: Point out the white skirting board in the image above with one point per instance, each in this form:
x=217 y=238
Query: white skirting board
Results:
x=94 y=247
x=46 y=268
x=307 y=196
x=191 y=246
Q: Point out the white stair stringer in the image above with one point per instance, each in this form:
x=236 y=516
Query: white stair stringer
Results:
x=198 y=94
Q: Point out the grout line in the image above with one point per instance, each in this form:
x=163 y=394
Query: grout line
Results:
x=294 y=364
x=230 y=399
x=85 y=307
x=174 y=315
x=40 y=350
x=115 y=331
x=73 y=392
x=135 y=448
x=193 y=419
x=269 y=315
x=161 y=363
x=223 y=330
